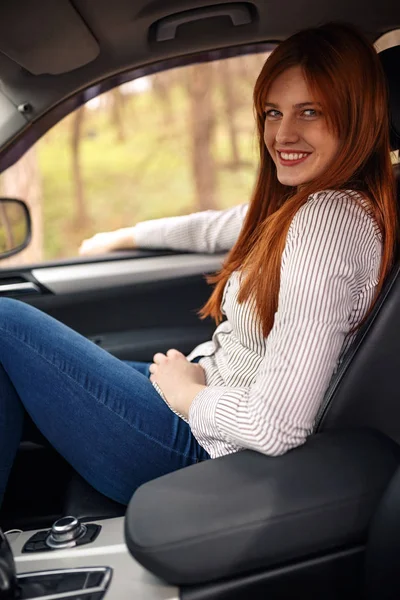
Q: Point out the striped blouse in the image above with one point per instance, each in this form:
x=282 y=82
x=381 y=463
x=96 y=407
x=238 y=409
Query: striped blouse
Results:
x=264 y=393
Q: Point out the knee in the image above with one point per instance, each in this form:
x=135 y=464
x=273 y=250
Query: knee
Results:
x=9 y=308
x=9 y=303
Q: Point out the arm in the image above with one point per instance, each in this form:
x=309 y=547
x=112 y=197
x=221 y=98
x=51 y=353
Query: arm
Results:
x=210 y=231
x=328 y=259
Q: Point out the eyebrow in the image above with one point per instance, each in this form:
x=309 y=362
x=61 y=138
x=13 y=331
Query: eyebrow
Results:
x=300 y=105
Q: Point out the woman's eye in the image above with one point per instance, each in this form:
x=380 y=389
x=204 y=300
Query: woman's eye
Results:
x=272 y=113
x=310 y=112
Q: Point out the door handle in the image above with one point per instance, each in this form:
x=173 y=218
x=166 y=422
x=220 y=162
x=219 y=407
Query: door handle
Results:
x=20 y=288
x=239 y=14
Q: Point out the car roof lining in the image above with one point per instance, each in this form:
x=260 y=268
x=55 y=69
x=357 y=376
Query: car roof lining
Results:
x=54 y=41
x=59 y=37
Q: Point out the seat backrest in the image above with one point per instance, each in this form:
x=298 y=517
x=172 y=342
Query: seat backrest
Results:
x=382 y=556
x=365 y=391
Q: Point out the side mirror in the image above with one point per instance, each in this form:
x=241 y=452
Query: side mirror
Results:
x=15 y=226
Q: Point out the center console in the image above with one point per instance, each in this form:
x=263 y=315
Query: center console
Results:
x=74 y=560
x=245 y=523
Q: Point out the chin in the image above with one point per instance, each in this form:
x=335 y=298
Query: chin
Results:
x=292 y=181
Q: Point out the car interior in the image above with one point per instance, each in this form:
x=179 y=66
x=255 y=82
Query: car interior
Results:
x=321 y=520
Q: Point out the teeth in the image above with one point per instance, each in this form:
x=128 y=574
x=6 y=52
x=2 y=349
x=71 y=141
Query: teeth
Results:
x=292 y=155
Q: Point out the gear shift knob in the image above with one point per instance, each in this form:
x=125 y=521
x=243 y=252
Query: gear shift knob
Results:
x=8 y=577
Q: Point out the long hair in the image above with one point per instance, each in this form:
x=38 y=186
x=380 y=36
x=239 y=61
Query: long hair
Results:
x=343 y=71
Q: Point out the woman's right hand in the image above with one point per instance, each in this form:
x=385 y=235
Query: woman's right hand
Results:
x=107 y=241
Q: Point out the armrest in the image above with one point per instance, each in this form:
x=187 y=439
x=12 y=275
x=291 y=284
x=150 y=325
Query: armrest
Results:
x=248 y=511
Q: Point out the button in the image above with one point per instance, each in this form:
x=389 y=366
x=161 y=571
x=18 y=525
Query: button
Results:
x=40 y=536
x=41 y=546
x=93 y=532
x=29 y=547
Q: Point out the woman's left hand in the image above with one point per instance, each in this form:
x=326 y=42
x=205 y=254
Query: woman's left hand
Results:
x=179 y=380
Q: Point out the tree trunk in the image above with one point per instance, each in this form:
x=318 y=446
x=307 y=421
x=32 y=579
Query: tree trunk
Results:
x=202 y=123
x=230 y=110
x=81 y=216
x=7 y=227
x=117 y=111
x=23 y=181
x=161 y=87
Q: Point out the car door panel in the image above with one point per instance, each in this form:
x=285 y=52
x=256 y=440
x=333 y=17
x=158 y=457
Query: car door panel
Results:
x=103 y=275
x=131 y=307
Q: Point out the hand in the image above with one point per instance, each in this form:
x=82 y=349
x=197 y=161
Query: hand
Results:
x=179 y=380
x=107 y=241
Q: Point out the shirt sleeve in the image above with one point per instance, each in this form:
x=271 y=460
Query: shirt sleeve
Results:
x=327 y=260
x=209 y=231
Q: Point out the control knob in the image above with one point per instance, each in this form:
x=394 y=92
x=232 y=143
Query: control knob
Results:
x=65 y=532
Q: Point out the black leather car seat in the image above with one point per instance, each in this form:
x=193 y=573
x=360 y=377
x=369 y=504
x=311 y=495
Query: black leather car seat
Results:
x=382 y=560
x=365 y=391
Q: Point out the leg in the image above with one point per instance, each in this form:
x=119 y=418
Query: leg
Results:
x=31 y=433
x=142 y=367
x=102 y=415
x=11 y=423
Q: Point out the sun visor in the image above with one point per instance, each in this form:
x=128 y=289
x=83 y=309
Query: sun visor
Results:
x=46 y=37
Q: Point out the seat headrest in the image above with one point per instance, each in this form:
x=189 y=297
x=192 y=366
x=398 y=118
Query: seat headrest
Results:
x=390 y=60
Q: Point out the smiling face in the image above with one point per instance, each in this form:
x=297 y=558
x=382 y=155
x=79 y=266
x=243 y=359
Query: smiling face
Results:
x=296 y=131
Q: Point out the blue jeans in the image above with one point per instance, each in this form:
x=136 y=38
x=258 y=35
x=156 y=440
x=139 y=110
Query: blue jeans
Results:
x=102 y=415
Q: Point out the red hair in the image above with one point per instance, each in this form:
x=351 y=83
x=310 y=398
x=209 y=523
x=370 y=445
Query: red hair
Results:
x=332 y=57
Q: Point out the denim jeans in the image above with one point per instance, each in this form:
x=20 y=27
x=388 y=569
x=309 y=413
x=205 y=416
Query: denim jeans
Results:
x=101 y=413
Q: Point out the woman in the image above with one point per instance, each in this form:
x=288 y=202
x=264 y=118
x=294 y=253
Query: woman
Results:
x=307 y=260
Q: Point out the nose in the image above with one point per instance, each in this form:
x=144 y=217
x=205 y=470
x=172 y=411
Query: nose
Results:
x=287 y=132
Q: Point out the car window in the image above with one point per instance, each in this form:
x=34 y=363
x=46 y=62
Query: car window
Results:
x=169 y=143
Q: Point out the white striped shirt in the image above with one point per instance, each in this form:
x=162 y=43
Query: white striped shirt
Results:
x=264 y=393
